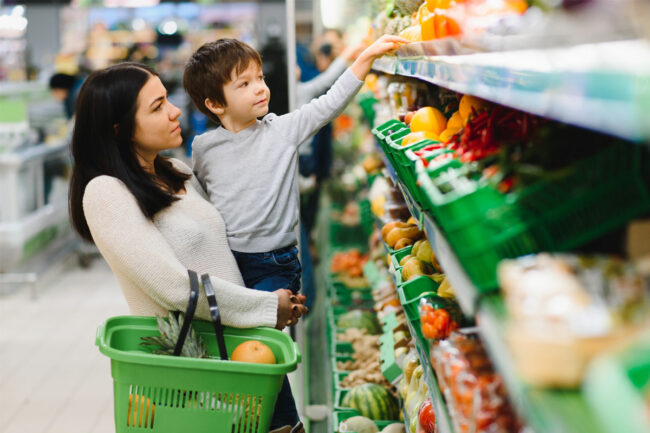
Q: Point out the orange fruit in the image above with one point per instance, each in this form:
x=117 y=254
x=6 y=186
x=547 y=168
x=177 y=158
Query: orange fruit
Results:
x=413 y=33
x=455 y=121
x=253 y=351
x=447 y=134
x=428 y=119
x=414 y=137
x=467 y=102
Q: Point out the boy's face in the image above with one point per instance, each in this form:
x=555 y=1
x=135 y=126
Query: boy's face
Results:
x=247 y=96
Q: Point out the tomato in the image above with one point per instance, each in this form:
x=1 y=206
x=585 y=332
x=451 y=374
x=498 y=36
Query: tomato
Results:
x=429 y=330
x=427 y=416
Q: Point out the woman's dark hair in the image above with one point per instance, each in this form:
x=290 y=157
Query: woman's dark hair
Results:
x=102 y=143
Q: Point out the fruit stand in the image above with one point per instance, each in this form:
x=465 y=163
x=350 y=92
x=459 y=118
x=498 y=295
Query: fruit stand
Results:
x=475 y=193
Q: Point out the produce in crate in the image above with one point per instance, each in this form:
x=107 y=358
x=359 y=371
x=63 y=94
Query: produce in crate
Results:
x=358 y=424
x=348 y=267
x=436 y=323
x=396 y=427
x=427 y=417
x=407 y=7
x=414 y=267
x=428 y=119
x=373 y=401
x=365 y=366
x=360 y=319
x=397 y=234
x=474 y=393
x=169 y=330
x=584 y=305
x=253 y=351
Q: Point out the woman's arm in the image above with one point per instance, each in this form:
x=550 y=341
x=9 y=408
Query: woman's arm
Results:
x=137 y=251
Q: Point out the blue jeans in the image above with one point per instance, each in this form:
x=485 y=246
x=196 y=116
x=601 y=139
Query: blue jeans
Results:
x=277 y=269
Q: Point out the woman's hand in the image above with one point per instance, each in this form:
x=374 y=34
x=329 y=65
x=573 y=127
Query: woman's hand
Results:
x=290 y=308
x=384 y=45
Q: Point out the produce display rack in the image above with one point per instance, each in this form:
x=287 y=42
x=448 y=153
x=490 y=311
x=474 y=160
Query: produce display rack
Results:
x=604 y=86
x=545 y=410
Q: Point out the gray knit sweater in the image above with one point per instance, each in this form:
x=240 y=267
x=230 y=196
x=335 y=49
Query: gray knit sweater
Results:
x=250 y=176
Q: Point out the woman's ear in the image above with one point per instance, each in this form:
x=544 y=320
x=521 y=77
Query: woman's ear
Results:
x=116 y=127
x=214 y=108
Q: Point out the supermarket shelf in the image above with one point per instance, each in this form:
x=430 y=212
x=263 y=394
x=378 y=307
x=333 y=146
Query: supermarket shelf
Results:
x=29 y=153
x=601 y=86
x=552 y=411
x=545 y=410
x=466 y=293
x=443 y=418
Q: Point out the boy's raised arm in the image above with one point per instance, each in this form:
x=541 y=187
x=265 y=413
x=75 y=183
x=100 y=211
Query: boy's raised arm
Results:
x=300 y=124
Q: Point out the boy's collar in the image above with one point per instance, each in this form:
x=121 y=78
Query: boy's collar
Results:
x=241 y=133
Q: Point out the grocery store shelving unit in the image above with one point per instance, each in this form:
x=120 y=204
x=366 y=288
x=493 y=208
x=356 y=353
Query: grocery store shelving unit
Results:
x=546 y=410
x=602 y=86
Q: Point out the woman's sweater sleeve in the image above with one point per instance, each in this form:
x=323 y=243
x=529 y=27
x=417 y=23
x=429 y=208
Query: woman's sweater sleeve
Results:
x=137 y=251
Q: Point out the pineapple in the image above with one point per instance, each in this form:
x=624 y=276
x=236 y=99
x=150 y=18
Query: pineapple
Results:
x=407 y=7
x=193 y=346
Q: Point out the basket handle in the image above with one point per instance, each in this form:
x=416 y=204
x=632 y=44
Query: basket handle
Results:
x=189 y=312
x=215 y=316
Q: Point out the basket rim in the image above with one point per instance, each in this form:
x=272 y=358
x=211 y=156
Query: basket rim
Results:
x=147 y=323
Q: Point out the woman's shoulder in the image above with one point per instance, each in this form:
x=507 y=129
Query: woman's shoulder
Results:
x=180 y=166
x=103 y=190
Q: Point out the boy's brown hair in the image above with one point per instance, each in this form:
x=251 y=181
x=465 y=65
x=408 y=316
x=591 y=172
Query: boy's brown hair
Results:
x=211 y=67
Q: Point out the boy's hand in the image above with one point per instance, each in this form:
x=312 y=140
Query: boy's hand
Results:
x=384 y=45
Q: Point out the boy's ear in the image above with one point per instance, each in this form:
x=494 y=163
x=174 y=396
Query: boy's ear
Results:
x=213 y=107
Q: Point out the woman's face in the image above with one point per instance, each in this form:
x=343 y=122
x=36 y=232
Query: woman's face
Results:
x=156 y=121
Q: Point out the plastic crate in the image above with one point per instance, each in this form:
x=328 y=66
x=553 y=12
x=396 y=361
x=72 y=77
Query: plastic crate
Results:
x=625 y=375
x=395 y=131
x=162 y=393
x=402 y=163
x=398 y=255
x=412 y=291
x=367 y=103
x=483 y=226
x=389 y=367
x=367 y=218
x=342 y=415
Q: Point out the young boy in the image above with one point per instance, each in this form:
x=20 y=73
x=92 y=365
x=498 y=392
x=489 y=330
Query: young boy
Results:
x=248 y=166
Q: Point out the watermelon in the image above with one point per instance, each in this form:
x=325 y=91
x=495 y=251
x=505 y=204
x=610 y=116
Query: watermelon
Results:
x=372 y=401
x=360 y=319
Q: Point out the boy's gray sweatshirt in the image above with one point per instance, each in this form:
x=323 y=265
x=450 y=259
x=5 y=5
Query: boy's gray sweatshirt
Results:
x=250 y=176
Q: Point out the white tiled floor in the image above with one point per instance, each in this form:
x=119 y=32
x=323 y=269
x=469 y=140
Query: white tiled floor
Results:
x=52 y=377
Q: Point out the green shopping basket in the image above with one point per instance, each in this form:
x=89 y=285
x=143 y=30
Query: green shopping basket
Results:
x=165 y=394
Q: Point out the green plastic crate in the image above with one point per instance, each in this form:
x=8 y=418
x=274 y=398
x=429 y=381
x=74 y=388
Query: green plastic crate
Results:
x=387 y=128
x=483 y=226
x=367 y=218
x=189 y=394
x=342 y=415
x=412 y=291
x=389 y=367
x=398 y=255
x=617 y=386
x=367 y=103
x=395 y=134
x=402 y=163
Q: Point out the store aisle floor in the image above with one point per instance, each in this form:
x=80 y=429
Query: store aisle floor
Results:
x=52 y=377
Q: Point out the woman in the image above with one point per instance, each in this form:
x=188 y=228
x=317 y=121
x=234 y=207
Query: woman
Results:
x=147 y=214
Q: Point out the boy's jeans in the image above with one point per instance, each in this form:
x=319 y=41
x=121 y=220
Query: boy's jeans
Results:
x=278 y=269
